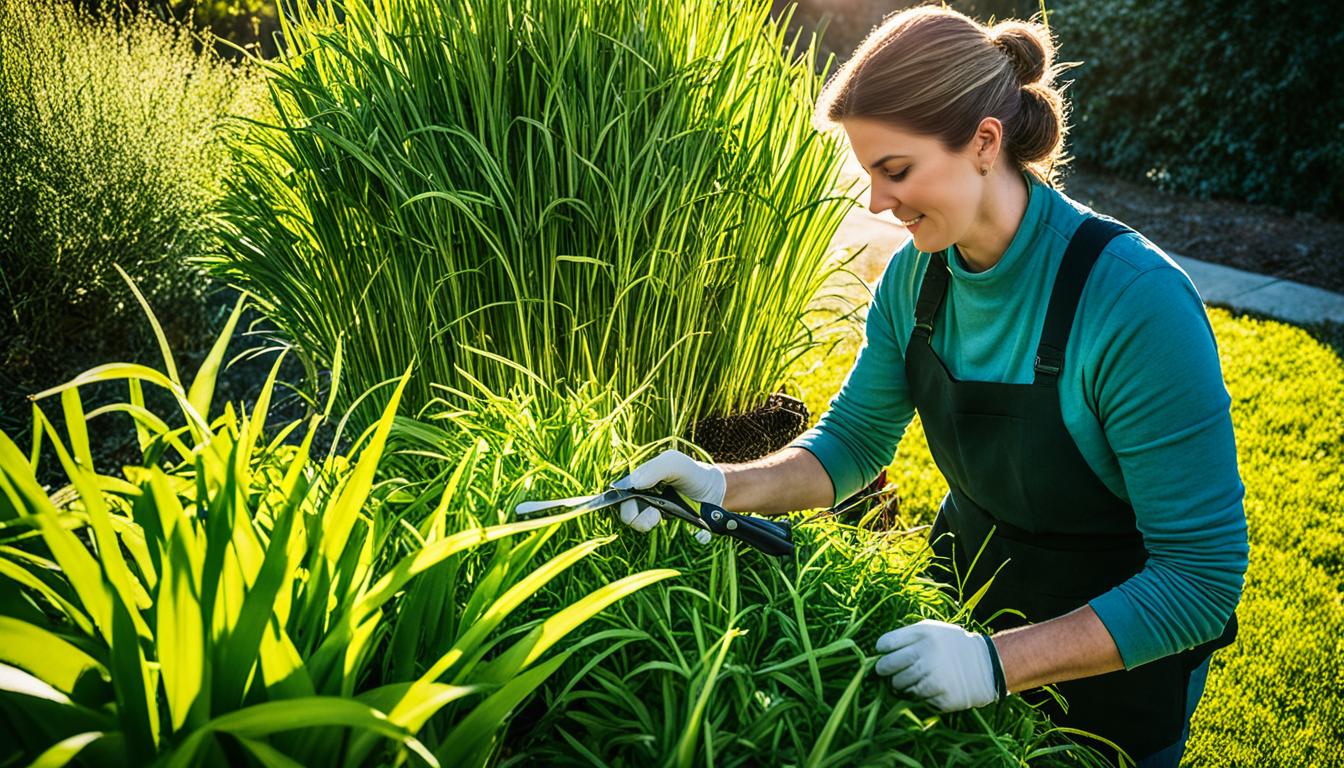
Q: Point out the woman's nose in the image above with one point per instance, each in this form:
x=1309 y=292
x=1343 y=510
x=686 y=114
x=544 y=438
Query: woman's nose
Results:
x=877 y=202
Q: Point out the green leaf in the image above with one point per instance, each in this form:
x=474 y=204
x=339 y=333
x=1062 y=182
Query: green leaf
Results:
x=261 y=720
x=182 y=642
x=80 y=569
x=268 y=756
x=341 y=515
x=62 y=752
x=203 y=385
x=475 y=731
x=468 y=643
x=67 y=608
x=135 y=685
x=686 y=745
x=335 y=377
x=76 y=428
x=46 y=655
x=528 y=649
x=120 y=371
x=417 y=562
x=17 y=681
x=164 y=348
x=816 y=757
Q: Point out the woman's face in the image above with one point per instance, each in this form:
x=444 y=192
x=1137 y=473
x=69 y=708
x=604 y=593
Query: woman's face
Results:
x=932 y=192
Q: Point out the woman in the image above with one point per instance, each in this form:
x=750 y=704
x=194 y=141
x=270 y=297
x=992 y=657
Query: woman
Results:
x=1069 y=385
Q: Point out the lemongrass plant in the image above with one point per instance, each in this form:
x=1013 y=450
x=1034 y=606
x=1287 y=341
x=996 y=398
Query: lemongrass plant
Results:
x=544 y=194
x=233 y=599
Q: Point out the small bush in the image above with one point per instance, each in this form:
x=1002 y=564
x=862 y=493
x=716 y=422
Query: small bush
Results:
x=231 y=598
x=110 y=152
x=1235 y=100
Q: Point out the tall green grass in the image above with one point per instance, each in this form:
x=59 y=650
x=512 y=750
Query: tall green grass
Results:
x=235 y=599
x=542 y=194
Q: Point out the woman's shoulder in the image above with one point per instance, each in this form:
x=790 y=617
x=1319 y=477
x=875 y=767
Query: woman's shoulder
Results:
x=1128 y=259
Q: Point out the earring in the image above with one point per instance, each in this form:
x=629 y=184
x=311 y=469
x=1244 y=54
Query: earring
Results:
x=984 y=171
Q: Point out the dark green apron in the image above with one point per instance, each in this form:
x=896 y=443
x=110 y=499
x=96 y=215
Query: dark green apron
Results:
x=1010 y=462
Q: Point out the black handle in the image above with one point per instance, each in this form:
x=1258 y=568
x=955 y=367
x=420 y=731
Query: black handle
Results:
x=769 y=537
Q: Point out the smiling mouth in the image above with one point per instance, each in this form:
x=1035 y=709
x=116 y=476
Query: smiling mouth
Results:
x=911 y=222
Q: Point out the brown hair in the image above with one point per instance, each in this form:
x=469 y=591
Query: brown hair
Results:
x=936 y=72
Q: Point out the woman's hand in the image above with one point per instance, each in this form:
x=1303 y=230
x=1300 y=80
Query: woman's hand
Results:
x=942 y=664
x=693 y=479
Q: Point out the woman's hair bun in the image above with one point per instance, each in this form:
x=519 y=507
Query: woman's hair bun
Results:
x=1028 y=46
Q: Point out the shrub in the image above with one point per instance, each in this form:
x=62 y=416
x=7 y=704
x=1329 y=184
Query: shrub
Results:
x=232 y=599
x=110 y=152
x=1235 y=100
x=629 y=193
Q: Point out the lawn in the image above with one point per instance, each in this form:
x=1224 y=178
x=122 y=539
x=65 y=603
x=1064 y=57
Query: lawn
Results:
x=1276 y=696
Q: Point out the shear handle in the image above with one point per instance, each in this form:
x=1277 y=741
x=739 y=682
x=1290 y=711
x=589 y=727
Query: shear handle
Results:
x=769 y=537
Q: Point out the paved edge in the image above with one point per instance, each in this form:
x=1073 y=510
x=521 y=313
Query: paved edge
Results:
x=1264 y=294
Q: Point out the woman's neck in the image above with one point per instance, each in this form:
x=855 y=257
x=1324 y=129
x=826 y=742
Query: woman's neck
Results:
x=1001 y=212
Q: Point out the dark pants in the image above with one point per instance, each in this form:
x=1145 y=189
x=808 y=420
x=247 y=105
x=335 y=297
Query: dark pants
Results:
x=1171 y=756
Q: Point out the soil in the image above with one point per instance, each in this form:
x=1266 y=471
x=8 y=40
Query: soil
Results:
x=1257 y=238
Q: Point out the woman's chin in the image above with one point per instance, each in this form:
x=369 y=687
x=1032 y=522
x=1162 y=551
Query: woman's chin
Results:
x=927 y=244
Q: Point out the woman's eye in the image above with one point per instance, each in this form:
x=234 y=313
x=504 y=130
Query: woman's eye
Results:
x=898 y=176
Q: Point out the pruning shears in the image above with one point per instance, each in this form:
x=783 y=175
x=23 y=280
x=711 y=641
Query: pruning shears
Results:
x=769 y=537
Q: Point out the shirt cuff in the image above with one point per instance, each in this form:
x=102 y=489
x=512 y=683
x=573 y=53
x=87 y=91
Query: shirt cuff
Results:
x=1135 y=641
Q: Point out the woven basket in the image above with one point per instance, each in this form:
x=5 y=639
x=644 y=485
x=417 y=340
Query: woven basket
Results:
x=748 y=436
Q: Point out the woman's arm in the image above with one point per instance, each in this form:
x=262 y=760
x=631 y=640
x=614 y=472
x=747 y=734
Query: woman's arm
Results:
x=1067 y=647
x=1164 y=409
x=785 y=481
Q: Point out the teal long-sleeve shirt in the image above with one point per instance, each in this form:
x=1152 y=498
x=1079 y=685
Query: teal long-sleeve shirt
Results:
x=1141 y=393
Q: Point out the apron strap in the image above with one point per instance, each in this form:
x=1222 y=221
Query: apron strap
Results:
x=931 y=294
x=1084 y=249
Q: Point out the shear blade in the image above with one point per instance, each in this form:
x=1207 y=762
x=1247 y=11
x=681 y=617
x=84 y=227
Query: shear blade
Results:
x=532 y=507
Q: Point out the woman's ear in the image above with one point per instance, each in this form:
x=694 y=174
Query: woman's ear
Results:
x=988 y=140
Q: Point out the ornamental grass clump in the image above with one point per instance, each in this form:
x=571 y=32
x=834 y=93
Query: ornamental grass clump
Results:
x=542 y=194
x=234 y=599
x=746 y=656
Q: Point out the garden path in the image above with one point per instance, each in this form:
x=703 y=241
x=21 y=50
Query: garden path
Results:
x=1218 y=284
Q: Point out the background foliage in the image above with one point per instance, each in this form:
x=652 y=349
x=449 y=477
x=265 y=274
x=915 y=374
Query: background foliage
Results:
x=226 y=25
x=110 y=152
x=1222 y=99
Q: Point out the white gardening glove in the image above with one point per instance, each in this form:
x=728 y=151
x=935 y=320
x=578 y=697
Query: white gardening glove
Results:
x=694 y=479
x=940 y=663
